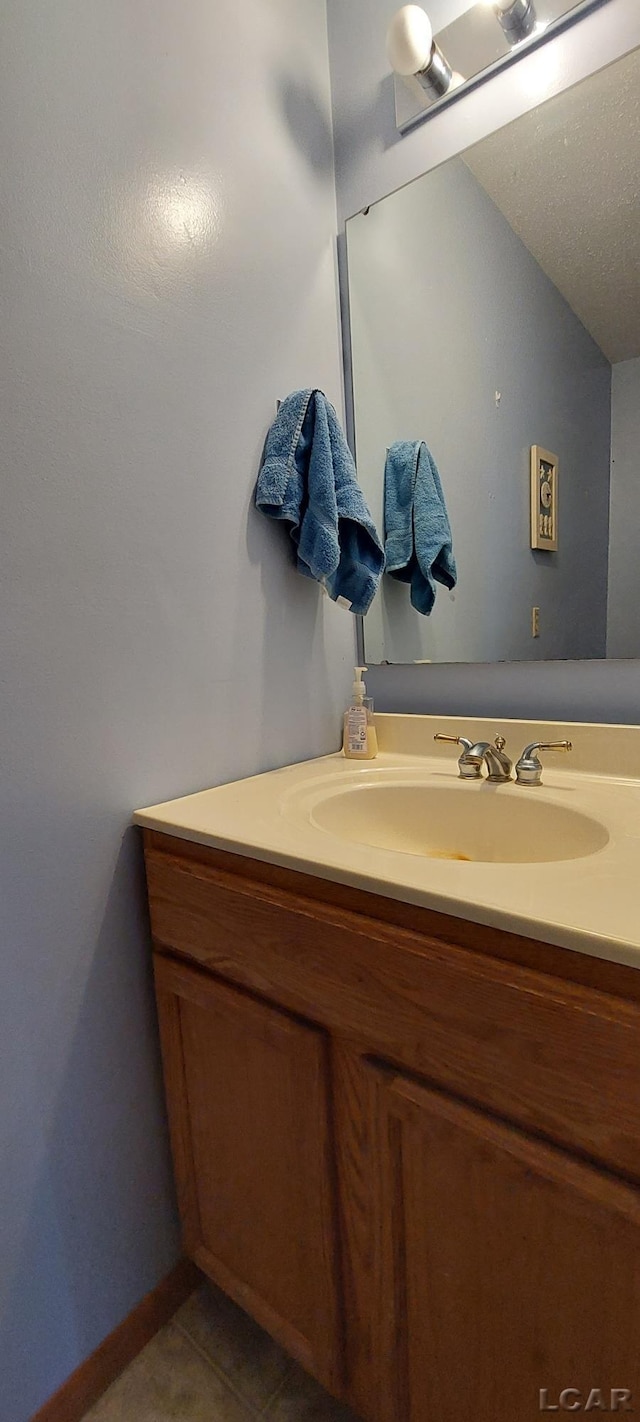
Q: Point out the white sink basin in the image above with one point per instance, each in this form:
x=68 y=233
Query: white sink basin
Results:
x=461 y=821
x=557 y=863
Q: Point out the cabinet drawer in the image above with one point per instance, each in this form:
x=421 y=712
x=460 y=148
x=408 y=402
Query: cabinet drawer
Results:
x=550 y=1055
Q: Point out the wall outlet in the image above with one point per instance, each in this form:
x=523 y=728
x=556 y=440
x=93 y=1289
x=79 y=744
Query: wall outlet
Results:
x=535 y=622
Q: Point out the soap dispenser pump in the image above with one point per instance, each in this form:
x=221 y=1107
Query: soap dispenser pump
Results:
x=360 y=741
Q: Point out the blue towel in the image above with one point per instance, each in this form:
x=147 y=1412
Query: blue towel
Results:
x=418 y=546
x=308 y=479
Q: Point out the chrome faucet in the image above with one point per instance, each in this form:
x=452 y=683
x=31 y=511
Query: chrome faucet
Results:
x=482 y=753
x=529 y=766
x=497 y=763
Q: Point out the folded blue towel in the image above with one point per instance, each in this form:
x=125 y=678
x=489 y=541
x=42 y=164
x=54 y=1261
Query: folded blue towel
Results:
x=418 y=546
x=308 y=479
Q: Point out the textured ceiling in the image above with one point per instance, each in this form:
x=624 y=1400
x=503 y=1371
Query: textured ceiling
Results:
x=567 y=178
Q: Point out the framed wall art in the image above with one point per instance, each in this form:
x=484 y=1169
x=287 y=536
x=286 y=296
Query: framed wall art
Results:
x=544 y=499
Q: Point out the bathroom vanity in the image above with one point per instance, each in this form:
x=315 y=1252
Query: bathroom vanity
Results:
x=404 y=1090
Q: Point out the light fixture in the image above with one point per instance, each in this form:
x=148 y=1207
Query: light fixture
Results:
x=411 y=50
x=517 y=19
x=490 y=35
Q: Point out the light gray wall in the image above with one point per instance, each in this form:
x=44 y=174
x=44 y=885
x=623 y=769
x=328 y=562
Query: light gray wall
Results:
x=373 y=160
x=448 y=306
x=623 y=633
x=167 y=237
x=567 y=691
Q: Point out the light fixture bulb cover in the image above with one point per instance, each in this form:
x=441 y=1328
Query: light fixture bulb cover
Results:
x=409 y=40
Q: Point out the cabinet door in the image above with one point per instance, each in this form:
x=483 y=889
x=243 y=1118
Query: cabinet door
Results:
x=508 y=1271
x=248 y=1091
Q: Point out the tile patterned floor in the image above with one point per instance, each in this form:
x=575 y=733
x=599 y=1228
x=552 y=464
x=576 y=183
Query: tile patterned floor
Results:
x=213 y=1364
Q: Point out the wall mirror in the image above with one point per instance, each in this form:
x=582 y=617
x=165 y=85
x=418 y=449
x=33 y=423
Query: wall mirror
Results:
x=495 y=316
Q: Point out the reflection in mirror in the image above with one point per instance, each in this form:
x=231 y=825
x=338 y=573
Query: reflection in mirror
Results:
x=495 y=327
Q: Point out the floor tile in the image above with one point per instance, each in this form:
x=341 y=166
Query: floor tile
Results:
x=301 y=1399
x=169 y=1382
x=245 y=1354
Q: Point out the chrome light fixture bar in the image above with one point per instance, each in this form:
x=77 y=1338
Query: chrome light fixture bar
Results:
x=430 y=71
x=517 y=19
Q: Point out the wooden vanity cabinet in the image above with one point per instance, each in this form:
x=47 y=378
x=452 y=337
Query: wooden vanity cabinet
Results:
x=508 y=1267
x=248 y=1093
x=407 y=1145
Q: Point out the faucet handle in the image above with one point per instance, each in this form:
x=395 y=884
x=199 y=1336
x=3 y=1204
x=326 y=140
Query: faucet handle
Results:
x=529 y=766
x=469 y=769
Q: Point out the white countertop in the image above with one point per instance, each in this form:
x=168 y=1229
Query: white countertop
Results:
x=590 y=904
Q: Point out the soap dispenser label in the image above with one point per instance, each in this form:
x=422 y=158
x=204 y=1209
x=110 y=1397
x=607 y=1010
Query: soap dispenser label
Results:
x=357 y=730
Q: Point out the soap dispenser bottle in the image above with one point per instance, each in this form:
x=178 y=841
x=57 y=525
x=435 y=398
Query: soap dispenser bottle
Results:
x=360 y=741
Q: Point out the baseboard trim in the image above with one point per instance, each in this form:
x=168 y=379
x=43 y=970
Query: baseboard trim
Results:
x=98 y=1371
